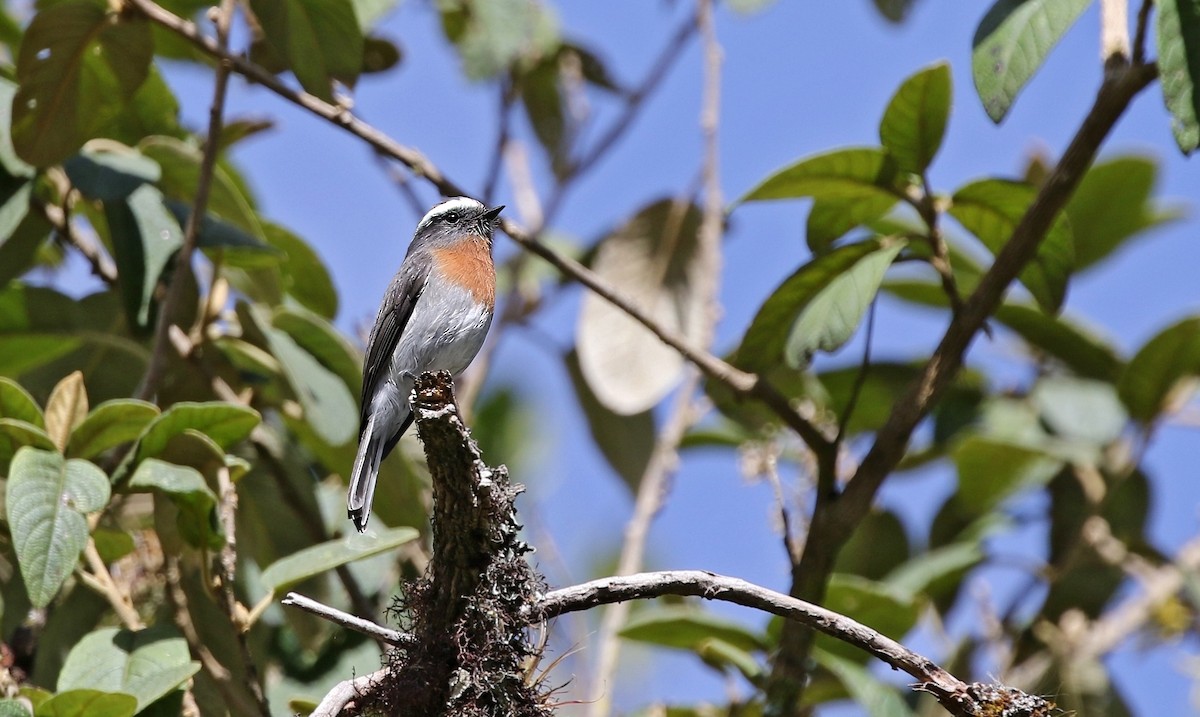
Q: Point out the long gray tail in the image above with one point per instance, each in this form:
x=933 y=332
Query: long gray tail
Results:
x=366 y=471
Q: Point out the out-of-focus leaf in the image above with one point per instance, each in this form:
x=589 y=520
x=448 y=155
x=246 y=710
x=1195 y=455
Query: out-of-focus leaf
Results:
x=502 y=425
x=329 y=555
x=112 y=545
x=1085 y=354
x=991 y=470
x=146 y=664
x=818 y=307
x=88 y=703
x=224 y=423
x=76 y=68
x=843 y=174
x=1112 y=205
x=110 y=424
x=684 y=628
x=749 y=6
x=321 y=339
x=379 y=54
x=110 y=173
x=915 y=120
x=65 y=409
x=37 y=325
x=625 y=441
x=15 y=433
x=180 y=165
x=1178 y=38
x=235 y=131
x=320 y=40
x=874 y=604
x=656 y=259
x=153 y=110
x=928 y=569
x=878 y=544
x=544 y=107
x=14 y=708
x=238 y=247
x=1010 y=44
x=14 y=203
x=868 y=692
x=830 y=219
x=491 y=35
x=47 y=500
x=1080 y=408
x=1148 y=384
x=187 y=488
x=12 y=165
x=991 y=209
x=19 y=251
x=15 y=402
x=370 y=12
x=145 y=236
x=721 y=655
x=304 y=274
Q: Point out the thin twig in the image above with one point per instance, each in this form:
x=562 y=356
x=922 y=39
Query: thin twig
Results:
x=741 y=382
x=101 y=263
x=102 y=582
x=208 y=162
x=345 y=619
x=345 y=692
x=1139 y=35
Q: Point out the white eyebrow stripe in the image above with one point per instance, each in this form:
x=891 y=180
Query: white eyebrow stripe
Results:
x=461 y=204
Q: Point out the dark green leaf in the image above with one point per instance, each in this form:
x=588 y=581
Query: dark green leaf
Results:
x=197 y=503
x=88 y=703
x=47 y=501
x=875 y=605
x=180 y=164
x=77 y=66
x=110 y=424
x=991 y=470
x=110 y=174
x=843 y=174
x=818 y=307
x=305 y=277
x=238 y=130
x=1112 y=204
x=545 y=108
x=225 y=423
x=321 y=339
x=37 y=325
x=379 y=54
x=685 y=628
x=721 y=655
x=991 y=209
x=1178 y=38
x=19 y=252
x=145 y=236
x=917 y=575
x=237 y=247
x=915 y=120
x=320 y=40
x=329 y=555
x=153 y=110
x=1012 y=41
x=15 y=402
x=878 y=544
x=14 y=204
x=146 y=664
x=15 y=433
x=625 y=441
x=1148 y=384
x=830 y=219
x=1082 y=352
x=895 y=10
x=112 y=545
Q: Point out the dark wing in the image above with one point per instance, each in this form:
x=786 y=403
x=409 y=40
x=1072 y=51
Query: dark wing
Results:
x=393 y=316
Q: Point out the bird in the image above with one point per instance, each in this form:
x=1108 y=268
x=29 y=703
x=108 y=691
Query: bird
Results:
x=434 y=316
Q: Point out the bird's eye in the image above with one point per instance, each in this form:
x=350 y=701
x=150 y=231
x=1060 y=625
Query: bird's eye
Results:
x=451 y=216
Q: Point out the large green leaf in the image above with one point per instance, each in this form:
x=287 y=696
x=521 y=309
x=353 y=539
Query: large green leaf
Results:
x=147 y=664
x=145 y=236
x=225 y=423
x=88 y=703
x=991 y=209
x=15 y=402
x=48 y=498
x=305 y=277
x=990 y=470
x=818 y=307
x=915 y=120
x=1112 y=205
x=830 y=219
x=110 y=424
x=1178 y=38
x=197 y=503
x=320 y=40
x=685 y=628
x=929 y=569
x=492 y=35
x=110 y=173
x=37 y=325
x=77 y=66
x=326 y=344
x=843 y=174
x=1084 y=353
x=14 y=203
x=329 y=555
x=1012 y=41
x=180 y=165
x=15 y=433
x=1148 y=384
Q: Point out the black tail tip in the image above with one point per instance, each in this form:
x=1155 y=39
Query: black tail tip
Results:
x=359 y=517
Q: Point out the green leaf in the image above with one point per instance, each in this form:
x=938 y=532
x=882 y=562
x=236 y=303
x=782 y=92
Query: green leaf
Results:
x=77 y=66
x=930 y=568
x=334 y=553
x=238 y=247
x=1152 y=376
x=1080 y=409
x=153 y=110
x=110 y=424
x=877 y=545
x=493 y=35
x=11 y=164
x=721 y=655
x=37 y=325
x=914 y=122
x=326 y=344
x=19 y=251
x=1012 y=41
x=1085 y=354
x=305 y=277
x=15 y=433
x=47 y=499
x=329 y=407
x=180 y=164
x=685 y=628
x=843 y=174
x=868 y=692
x=544 y=107
x=379 y=54
x=1112 y=205
x=818 y=307
x=144 y=236
x=225 y=423
x=874 y=604
x=320 y=40
x=991 y=209
x=14 y=708
x=625 y=441
x=185 y=486
x=1178 y=38
x=15 y=402
x=146 y=664
x=990 y=470
x=88 y=703
x=14 y=203
x=830 y=219
x=111 y=173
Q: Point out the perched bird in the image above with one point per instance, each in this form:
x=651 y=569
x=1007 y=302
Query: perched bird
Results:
x=434 y=317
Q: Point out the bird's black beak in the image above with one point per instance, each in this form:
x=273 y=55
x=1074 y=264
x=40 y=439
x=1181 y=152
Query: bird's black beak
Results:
x=490 y=215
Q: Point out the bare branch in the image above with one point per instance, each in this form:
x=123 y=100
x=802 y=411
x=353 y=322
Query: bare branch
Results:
x=358 y=624
x=337 y=699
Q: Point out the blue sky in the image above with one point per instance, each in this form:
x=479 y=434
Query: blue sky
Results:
x=798 y=78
